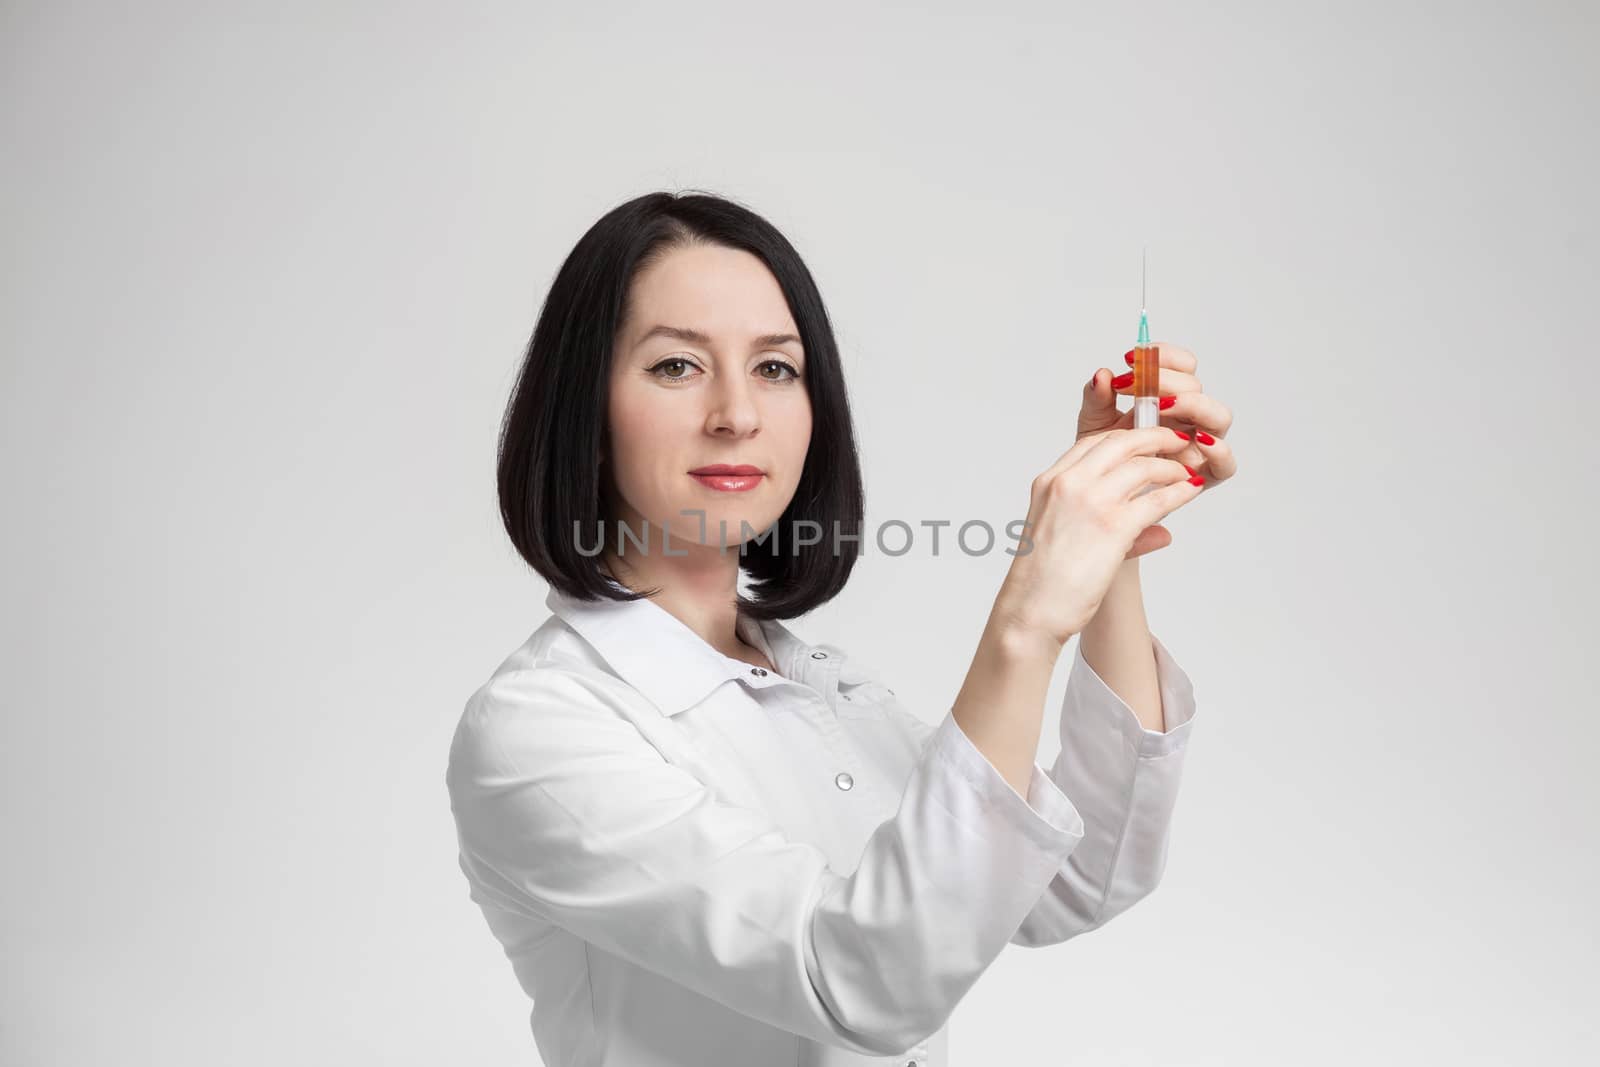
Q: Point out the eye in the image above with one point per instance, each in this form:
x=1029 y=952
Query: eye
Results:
x=671 y=370
x=669 y=362
x=794 y=375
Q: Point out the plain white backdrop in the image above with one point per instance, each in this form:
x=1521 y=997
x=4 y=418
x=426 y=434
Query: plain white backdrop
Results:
x=269 y=272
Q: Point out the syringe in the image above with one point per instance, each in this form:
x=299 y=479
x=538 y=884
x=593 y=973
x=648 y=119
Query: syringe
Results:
x=1146 y=367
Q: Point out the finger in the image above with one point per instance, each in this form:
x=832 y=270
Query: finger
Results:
x=1162 y=501
x=1099 y=396
x=1218 y=457
x=1115 y=447
x=1175 y=357
x=1130 y=477
x=1168 y=382
x=1198 y=410
x=1150 y=539
x=1193 y=456
x=1071 y=455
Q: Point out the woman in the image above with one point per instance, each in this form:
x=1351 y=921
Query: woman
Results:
x=702 y=840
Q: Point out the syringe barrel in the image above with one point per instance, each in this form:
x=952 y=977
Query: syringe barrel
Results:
x=1146 y=412
x=1146 y=370
x=1146 y=383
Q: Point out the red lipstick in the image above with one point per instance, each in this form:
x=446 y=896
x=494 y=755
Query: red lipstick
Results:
x=728 y=477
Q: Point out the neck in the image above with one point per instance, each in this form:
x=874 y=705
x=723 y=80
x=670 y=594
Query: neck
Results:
x=698 y=585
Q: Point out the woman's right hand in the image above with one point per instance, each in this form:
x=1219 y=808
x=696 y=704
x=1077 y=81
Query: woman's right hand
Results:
x=1083 y=518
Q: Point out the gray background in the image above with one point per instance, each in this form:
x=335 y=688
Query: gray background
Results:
x=269 y=269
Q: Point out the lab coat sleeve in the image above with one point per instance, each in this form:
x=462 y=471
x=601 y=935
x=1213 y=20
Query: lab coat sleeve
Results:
x=565 y=812
x=1124 y=780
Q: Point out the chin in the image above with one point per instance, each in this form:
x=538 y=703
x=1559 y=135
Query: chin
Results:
x=730 y=516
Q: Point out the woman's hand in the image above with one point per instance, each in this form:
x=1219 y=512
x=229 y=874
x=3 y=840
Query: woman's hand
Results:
x=1185 y=406
x=1083 y=516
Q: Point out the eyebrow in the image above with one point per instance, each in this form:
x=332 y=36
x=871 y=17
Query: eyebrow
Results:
x=695 y=337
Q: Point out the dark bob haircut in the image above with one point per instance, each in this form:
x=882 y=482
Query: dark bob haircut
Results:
x=549 y=469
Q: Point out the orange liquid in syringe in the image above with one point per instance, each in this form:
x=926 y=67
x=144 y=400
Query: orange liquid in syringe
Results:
x=1146 y=368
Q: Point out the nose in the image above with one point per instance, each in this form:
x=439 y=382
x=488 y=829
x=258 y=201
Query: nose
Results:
x=733 y=410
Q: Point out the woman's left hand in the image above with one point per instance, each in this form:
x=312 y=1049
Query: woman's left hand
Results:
x=1184 y=406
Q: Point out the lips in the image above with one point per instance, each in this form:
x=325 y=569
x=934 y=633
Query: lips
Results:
x=727 y=469
x=728 y=477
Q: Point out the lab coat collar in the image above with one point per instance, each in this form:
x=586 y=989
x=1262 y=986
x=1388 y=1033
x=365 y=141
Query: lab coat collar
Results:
x=671 y=665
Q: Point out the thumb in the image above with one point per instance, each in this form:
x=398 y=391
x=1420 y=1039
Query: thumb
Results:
x=1101 y=397
x=1150 y=539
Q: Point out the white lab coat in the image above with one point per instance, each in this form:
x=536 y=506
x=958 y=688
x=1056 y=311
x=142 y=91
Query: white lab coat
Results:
x=690 y=861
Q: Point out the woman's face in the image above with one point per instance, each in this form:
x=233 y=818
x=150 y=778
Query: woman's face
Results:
x=707 y=371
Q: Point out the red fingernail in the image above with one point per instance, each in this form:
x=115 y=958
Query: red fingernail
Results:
x=1181 y=434
x=1197 y=480
x=1204 y=438
x=1122 y=381
x=1188 y=468
x=1092 y=378
x=1167 y=402
x=1128 y=356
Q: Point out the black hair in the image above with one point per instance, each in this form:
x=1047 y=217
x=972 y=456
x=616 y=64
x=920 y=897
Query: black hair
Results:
x=549 y=459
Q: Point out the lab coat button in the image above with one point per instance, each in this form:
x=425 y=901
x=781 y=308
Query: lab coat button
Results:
x=759 y=672
x=819 y=655
x=843 y=780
